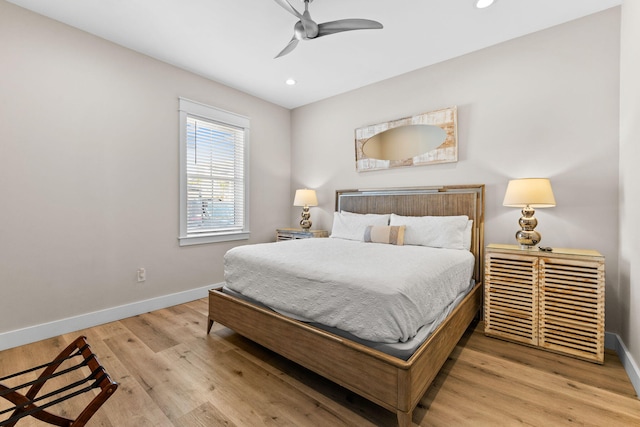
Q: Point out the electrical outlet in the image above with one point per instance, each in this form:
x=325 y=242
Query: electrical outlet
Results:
x=142 y=275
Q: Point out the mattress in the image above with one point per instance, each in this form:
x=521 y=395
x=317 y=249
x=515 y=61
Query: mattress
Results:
x=375 y=292
x=401 y=350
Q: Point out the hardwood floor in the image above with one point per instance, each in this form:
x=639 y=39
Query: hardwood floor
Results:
x=172 y=374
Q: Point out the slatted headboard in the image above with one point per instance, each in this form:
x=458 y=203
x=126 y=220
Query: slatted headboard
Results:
x=422 y=201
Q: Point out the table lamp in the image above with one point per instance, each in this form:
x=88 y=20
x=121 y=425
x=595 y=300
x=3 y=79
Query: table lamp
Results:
x=529 y=193
x=305 y=198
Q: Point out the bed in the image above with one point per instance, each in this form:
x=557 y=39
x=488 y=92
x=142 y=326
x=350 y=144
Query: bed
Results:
x=395 y=383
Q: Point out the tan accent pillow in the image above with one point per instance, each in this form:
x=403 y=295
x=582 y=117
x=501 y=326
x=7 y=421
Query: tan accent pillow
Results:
x=393 y=235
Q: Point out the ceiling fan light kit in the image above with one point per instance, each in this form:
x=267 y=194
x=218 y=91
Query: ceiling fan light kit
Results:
x=307 y=29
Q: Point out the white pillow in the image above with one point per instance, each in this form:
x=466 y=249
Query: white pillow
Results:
x=466 y=238
x=434 y=231
x=351 y=226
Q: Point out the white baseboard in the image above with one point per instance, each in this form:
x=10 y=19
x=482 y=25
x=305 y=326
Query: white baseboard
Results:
x=614 y=342
x=63 y=326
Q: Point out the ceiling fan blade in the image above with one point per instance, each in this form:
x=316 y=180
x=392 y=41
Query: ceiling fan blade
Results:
x=333 y=27
x=289 y=8
x=288 y=48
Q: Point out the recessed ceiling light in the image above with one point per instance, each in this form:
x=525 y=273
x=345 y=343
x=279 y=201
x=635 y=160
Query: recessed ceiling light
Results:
x=481 y=4
x=290 y=82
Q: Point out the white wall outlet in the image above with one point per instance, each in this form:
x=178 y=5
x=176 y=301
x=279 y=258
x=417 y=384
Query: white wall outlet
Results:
x=142 y=275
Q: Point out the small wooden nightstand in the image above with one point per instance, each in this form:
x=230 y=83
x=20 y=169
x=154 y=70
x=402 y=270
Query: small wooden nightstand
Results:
x=553 y=300
x=298 y=233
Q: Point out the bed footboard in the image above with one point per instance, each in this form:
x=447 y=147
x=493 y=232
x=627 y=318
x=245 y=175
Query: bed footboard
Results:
x=397 y=385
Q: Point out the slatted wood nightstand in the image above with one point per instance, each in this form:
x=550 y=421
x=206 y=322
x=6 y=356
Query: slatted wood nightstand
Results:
x=553 y=300
x=298 y=233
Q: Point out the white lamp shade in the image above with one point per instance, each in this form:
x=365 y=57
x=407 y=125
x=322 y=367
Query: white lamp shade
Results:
x=305 y=197
x=532 y=192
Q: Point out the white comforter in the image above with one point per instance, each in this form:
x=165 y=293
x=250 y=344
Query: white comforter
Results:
x=377 y=292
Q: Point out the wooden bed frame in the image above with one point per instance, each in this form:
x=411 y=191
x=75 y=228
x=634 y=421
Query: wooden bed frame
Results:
x=392 y=383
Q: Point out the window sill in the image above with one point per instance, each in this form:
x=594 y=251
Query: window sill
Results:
x=213 y=238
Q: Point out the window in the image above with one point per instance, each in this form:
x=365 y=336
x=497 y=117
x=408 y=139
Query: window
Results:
x=213 y=174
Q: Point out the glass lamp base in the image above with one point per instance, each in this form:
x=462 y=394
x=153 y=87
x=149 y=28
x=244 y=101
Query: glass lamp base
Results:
x=305 y=222
x=528 y=238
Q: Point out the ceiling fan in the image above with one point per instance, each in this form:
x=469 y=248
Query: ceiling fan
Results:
x=307 y=29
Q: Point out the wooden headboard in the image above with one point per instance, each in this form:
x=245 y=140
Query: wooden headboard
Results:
x=422 y=201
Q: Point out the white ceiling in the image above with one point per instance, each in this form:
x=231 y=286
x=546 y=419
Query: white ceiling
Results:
x=235 y=41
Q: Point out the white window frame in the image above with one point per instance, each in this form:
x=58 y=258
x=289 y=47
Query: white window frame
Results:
x=197 y=110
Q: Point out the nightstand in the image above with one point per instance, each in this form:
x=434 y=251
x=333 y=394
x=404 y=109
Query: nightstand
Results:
x=298 y=233
x=552 y=300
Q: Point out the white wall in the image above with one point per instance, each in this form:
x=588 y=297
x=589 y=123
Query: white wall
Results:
x=544 y=105
x=630 y=178
x=89 y=173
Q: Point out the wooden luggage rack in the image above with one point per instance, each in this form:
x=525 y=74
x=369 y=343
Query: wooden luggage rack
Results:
x=77 y=383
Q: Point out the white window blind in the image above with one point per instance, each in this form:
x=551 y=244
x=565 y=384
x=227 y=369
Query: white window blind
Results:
x=214 y=181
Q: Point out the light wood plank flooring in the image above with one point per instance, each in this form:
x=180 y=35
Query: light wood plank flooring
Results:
x=172 y=374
